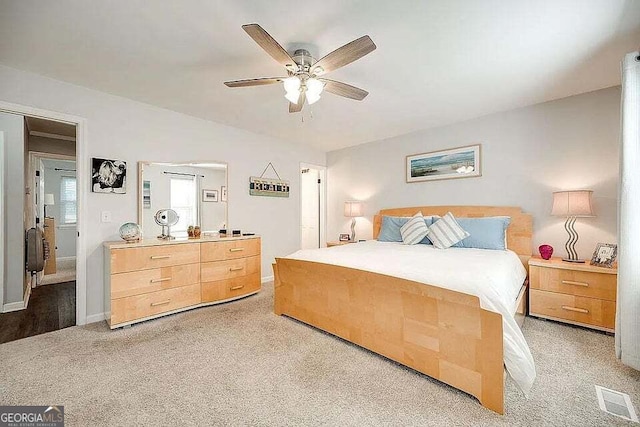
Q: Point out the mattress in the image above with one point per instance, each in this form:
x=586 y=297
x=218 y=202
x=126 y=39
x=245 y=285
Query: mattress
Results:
x=495 y=277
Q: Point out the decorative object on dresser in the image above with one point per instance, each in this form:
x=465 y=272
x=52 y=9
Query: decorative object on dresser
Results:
x=260 y=186
x=108 y=176
x=166 y=218
x=604 y=255
x=579 y=294
x=572 y=204
x=545 y=251
x=344 y=237
x=130 y=232
x=154 y=278
x=353 y=209
x=462 y=162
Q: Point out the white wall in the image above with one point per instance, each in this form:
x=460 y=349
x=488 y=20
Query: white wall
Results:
x=118 y=128
x=65 y=234
x=527 y=153
x=13 y=192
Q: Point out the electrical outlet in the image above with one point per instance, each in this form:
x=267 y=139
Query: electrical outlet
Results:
x=105 y=216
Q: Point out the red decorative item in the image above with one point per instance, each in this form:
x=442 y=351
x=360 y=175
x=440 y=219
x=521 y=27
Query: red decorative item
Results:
x=546 y=251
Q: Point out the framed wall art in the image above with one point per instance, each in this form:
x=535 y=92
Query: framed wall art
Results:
x=455 y=163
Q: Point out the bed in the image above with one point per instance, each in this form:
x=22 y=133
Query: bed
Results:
x=452 y=335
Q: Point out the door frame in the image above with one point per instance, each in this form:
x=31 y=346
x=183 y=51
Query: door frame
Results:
x=83 y=185
x=323 y=200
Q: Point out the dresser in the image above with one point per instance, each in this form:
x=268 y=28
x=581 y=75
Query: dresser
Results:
x=153 y=278
x=579 y=294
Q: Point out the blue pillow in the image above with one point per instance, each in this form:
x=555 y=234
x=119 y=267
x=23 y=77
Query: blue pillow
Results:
x=390 y=229
x=485 y=233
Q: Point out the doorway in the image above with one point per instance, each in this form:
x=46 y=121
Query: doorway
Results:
x=312 y=206
x=48 y=208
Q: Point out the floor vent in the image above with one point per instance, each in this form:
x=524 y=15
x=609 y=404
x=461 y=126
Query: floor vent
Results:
x=616 y=403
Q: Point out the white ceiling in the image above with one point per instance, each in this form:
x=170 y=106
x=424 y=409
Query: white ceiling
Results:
x=437 y=62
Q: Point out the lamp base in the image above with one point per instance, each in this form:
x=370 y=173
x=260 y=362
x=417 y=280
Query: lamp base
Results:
x=577 y=261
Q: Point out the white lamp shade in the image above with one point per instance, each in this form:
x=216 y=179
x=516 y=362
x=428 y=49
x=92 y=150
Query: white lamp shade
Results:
x=291 y=84
x=48 y=199
x=352 y=209
x=572 y=203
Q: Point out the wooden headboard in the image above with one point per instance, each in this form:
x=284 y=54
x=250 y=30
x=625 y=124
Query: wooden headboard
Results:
x=518 y=234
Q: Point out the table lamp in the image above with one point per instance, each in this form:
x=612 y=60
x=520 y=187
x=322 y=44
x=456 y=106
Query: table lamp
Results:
x=353 y=209
x=48 y=201
x=572 y=204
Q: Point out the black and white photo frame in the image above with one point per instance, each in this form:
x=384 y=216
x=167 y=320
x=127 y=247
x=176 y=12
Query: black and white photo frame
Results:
x=604 y=255
x=108 y=176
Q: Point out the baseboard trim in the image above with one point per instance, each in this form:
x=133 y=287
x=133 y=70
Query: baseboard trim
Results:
x=18 y=305
x=267 y=279
x=93 y=318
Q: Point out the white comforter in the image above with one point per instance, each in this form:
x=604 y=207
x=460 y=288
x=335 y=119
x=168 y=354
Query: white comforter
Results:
x=494 y=276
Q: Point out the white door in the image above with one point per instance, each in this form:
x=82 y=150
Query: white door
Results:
x=312 y=202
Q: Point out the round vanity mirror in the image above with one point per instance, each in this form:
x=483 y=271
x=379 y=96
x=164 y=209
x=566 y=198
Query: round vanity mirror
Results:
x=166 y=218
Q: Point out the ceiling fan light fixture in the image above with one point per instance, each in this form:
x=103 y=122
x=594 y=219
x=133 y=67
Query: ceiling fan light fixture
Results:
x=292 y=85
x=292 y=96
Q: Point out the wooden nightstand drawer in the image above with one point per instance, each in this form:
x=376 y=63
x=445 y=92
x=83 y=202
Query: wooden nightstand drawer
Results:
x=580 y=283
x=590 y=311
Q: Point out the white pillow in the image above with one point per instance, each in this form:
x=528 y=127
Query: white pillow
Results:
x=446 y=232
x=414 y=230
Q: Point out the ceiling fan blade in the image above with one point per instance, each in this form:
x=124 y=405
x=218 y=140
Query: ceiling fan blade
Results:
x=296 y=108
x=344 y=55
x=254 y=82
x=269 y=44
x=343 y=89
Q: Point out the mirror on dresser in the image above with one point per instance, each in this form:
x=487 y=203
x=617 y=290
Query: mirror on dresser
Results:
x=197 y=191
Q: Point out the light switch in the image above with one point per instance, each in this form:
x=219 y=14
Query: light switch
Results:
x=105 y=216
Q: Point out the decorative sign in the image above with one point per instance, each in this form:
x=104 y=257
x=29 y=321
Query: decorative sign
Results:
x=270 y=187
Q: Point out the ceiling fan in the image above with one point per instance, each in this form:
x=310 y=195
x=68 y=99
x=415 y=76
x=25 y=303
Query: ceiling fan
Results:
x=304 y=82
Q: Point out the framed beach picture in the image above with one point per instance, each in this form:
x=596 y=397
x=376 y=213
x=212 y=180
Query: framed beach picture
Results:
x=209 y=195
x=463 y=162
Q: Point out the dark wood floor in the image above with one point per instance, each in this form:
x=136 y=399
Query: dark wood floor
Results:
x=51 y=307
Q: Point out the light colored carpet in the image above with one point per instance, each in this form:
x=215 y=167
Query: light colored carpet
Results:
x=65 y=272
x=239 y=364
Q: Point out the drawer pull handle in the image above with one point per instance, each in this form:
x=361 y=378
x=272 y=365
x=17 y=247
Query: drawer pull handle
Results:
x=235 y=288
x=166 y=279
x=160 y=256
x=236 y=268
x=236 y=249
x=155 y=304
x=578 y=310
x=571 y=282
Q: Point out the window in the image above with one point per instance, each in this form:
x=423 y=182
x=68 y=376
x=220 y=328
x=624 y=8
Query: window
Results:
x=68 y=200
x=184 y=202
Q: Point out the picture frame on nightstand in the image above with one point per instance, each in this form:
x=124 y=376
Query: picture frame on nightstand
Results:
x=344 y=237
x=604 y=255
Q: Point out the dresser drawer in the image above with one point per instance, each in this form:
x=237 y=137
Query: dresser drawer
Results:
x=591 y=311
x=221 y=270
x=581 y=283
x=143 y=281
x=233 y=249
x=153 y=303
x=230 y=288
x=133 y=259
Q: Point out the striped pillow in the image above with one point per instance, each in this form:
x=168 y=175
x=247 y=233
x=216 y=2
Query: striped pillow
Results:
x=446 y=232
x=414 y=230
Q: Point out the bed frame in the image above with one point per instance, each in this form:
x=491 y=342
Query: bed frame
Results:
x=438 y=332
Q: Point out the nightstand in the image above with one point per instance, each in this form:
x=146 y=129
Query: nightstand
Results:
x=330 y=244
x=580 y=294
